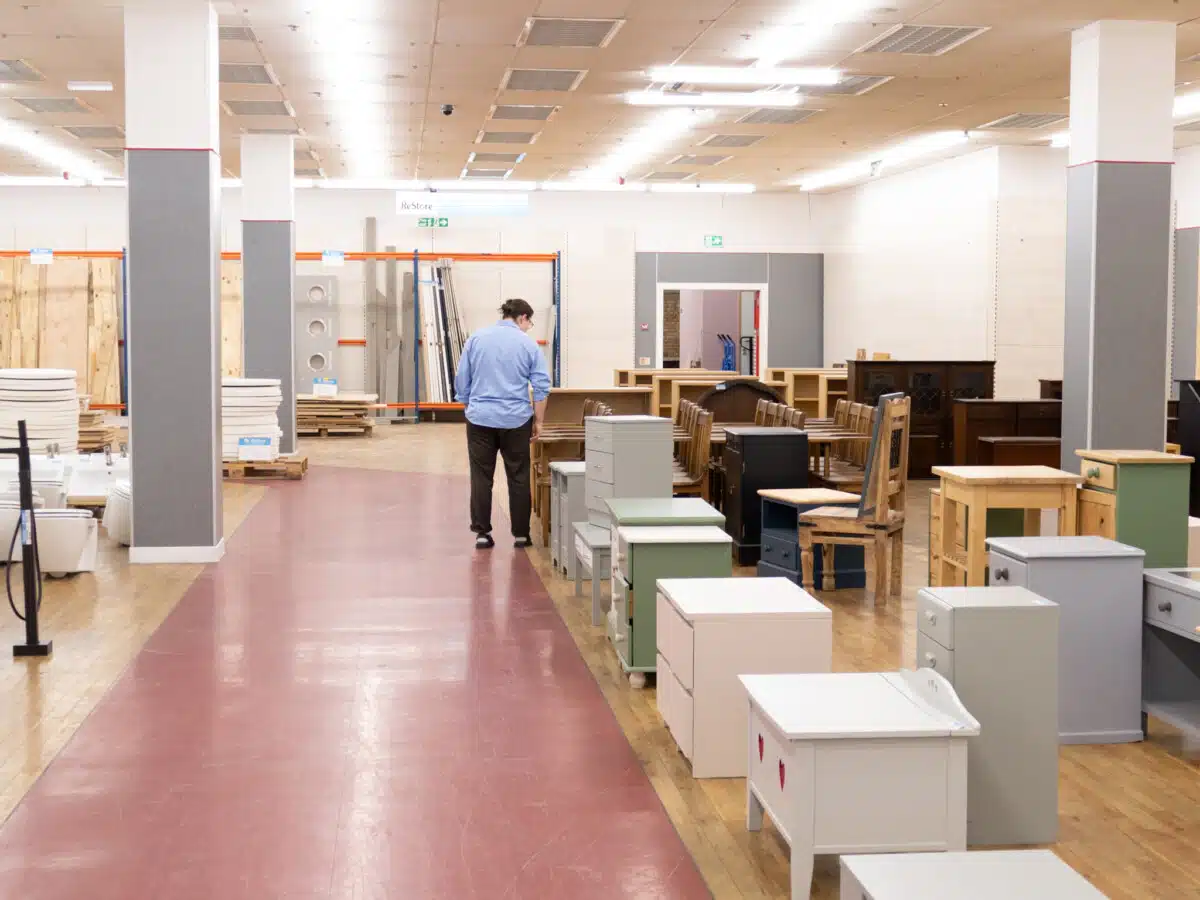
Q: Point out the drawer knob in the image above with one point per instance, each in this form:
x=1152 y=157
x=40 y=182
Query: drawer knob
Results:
x=1093 y=473
x=931 y=660
x=760 y=748
x=1164 y=606
x=1002 y=574
x=931 y=618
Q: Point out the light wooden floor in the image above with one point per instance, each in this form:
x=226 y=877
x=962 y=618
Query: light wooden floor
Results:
x=1130 y=814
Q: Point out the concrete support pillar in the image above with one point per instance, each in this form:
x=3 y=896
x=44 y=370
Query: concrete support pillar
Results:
x=1118 y=237
x=173 y=327
x=1186 y=331
x=269 y=267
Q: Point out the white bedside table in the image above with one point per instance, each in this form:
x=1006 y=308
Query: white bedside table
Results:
x=996 y=875
x=710 y=631
x=857 y=763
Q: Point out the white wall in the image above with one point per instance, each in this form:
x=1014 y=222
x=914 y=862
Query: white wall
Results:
x=598 y=235
x=910 y=265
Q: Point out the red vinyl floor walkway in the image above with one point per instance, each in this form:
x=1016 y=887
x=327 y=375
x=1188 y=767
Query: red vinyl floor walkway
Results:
x=353 y=704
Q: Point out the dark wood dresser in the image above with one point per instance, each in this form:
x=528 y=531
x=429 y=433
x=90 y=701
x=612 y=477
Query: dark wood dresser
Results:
x=974 y=419
x=933 y=387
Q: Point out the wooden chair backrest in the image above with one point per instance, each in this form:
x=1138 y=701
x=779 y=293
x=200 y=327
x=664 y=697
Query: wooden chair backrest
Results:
x=701 y=444
x=775 y=414
x=886 y=475
x=841 y=413
x=760 y=411
x=798 y=418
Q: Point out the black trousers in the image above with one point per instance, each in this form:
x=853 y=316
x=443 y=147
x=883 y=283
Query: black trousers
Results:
x=513 y=446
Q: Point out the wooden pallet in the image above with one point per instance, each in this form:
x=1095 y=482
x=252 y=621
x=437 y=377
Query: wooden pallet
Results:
x=331 y=430
x=291 y=467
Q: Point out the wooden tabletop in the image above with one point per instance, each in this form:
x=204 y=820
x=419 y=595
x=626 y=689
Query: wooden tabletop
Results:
x=1132 y=456
x=808 y=495
x=1015 y=475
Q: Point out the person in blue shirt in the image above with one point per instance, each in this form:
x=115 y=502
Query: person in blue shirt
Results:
x=503 y=382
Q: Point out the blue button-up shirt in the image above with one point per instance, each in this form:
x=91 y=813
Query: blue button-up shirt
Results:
x=498 y=365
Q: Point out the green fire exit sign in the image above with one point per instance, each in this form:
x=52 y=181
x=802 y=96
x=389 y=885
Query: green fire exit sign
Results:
x=714 y=241
x=433 y=223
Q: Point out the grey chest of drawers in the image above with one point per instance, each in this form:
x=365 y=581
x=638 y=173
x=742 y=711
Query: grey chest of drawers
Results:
x=626 y=456
x=1097 y=584
x=998 y=647
x=567 y=506
x=1171 y=650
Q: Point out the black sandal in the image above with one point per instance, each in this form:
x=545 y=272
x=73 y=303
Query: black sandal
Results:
x=484 y=542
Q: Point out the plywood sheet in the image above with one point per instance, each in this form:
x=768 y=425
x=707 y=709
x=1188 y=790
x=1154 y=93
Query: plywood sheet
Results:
x=231 y=318
x=63 y=341
x=8 y=311
x=31 y=281
x=105 y=367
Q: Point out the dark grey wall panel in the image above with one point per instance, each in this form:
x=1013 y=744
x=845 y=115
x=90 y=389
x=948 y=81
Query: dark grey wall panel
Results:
x=1115 y=367
x=1187 y=289
x=796 y=309
x=269 y=328
x=174 y=338
x=795 y=286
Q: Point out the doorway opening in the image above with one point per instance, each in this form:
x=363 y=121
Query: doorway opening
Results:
x=715 y=327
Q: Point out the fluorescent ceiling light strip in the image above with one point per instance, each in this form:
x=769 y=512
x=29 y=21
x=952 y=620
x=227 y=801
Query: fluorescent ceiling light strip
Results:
x=708 y=188
x=96 y=86
x=369 y=184
x=1187 y=105
x=874 y=165
x=600 y=186
x=1061 y=139
x=811 y=27
x=741 y=76
x=347 y=42
x=483 y=185
x=48 y=153
x=772 y=99
x=665 y=129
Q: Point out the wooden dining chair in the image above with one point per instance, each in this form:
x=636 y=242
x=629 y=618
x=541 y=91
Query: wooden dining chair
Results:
x=877 y=523
x=694 y=482
x=760 y=411
x=841 y=413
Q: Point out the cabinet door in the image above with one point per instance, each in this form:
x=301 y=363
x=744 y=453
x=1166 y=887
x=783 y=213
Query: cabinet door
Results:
x=876 y=381
x=733 y=494
x=972 y=381
x=1097 y=514
x=926 y=384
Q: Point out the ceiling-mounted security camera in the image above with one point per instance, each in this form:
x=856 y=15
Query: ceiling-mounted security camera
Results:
x=447 y=109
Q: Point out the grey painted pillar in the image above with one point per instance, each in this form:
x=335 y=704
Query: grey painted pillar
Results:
x=173 y=170
x=1118 y=237
x=269 y=269
x=1187 y=306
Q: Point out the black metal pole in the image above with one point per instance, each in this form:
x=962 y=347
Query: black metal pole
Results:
x=32 y=646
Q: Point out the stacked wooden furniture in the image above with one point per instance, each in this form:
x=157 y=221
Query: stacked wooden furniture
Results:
x=975 y=419
x=1137 y=497
x=754 y=459
x=933 y=387
x=668 y=392
x=969 y=635
x=645 y=377
x=710 y=631
x=814 y=392
x=345 y=414
x=877 y=523
x=691 y=471
x=95 y=433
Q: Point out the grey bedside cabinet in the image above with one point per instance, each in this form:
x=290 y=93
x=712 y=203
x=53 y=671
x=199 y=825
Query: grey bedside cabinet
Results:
x=1097 y=584
x=998 y=647
x=626 y=456
x=567 y=506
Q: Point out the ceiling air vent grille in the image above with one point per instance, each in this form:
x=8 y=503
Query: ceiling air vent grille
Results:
x=508 y=158
x=235 y=33
x=667 y=176
x=1027 y=121
x=777 y=116
x=697 y=160
x=114 y=152
x=94 y=132
x=17 y=71
x=52 y=104
x=493 y=174
x=506 y=137
x=241 y=73
x=546 y=32
x=732 y=140
x=281 y=129
x=258 y=107
x=923 y=40
x=524 y=113
x=543 y=79
x=853 y=85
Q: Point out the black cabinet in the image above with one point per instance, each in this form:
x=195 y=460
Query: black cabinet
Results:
x=758 y=459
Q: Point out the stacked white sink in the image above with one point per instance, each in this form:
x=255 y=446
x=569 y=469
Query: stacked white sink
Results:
x=48 y=402
x=249 y=409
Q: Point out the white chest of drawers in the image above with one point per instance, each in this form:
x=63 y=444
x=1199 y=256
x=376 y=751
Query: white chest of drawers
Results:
x=625 y=456
x=997 y=875
x=998 y=647
x=566 y=508
x=857 y=763
x=710 y=631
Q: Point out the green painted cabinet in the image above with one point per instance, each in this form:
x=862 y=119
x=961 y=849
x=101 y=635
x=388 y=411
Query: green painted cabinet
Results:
x=641 y=556
x=1139 y=498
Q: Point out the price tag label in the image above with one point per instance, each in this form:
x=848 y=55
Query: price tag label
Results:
x=325 y=387
x=41 y=257
x=333 y=258
x=254 y=449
